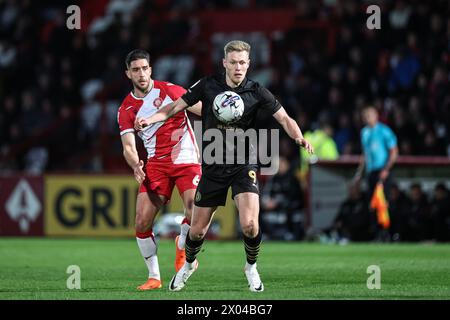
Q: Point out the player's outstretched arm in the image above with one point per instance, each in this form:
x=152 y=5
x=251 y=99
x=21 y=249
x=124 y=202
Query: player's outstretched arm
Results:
x=292 y=129
x=162 y=115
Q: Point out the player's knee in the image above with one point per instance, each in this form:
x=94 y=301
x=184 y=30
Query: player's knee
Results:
x=197 y=235
x=250 y=229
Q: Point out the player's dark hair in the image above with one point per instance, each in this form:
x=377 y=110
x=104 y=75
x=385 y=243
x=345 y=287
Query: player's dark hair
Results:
x=136 y=55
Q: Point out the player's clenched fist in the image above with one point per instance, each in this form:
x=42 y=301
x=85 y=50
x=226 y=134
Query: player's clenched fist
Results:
x=138 y=172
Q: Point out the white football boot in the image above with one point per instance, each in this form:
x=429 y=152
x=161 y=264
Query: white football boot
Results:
x=254 y=281
x=179 y=279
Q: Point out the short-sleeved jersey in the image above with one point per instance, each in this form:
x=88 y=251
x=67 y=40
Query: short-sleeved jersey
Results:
x=172 y=140
x=376 y=143
x=256 y=98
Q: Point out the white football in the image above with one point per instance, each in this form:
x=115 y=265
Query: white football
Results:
x=228 y=107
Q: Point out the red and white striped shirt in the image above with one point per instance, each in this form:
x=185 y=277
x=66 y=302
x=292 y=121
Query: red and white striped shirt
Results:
x=172 y=140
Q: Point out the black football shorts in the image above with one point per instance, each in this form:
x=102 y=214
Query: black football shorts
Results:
x=212 y=189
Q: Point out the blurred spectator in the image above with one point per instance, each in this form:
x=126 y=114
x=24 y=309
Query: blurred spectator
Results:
x=36 y=161
x=440 y=213
x=323 y=144
x=90 y=122
x=281 y=204
x=430 y=144
x=353 y=221
x=418 y=221
x=7 y=54
x=344 y=134
x=405 y=67
x=399 y=209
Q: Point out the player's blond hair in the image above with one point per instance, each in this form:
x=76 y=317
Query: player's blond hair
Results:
x=236 y=45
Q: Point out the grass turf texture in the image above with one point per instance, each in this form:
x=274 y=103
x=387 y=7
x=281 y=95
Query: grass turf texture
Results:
x=112 y=269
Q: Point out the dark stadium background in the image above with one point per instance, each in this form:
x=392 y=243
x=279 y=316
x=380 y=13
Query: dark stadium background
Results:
x=60 y=88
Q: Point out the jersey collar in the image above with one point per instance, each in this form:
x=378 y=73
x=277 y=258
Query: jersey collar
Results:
x=138 y=98
x=224 y=82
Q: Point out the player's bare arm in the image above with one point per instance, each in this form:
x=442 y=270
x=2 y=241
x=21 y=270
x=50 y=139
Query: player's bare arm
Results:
x=131 y=156
x=196 y=109
x=292 y=129
x=163 y=114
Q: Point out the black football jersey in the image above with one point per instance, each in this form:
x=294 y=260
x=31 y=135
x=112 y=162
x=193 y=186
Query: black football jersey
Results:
x=256 y=99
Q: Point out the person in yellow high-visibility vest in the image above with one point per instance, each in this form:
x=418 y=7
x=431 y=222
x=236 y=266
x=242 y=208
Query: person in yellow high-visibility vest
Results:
x=324 y=148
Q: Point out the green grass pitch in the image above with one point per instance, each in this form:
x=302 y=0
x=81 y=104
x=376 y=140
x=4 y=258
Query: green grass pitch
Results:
x=35 y=268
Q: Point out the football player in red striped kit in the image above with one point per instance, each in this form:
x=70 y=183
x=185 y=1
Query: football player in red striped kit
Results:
x=172 y=158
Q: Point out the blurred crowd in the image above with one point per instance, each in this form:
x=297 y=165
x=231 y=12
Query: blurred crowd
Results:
x=60 y=89
x=415 y=215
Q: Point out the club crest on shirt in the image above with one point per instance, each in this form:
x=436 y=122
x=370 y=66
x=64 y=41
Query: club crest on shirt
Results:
x=157 y=102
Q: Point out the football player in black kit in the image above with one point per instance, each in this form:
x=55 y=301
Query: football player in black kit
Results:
x=217 y=178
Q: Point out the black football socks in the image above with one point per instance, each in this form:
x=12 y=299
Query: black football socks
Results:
x=252 y=247
x=192 y=248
